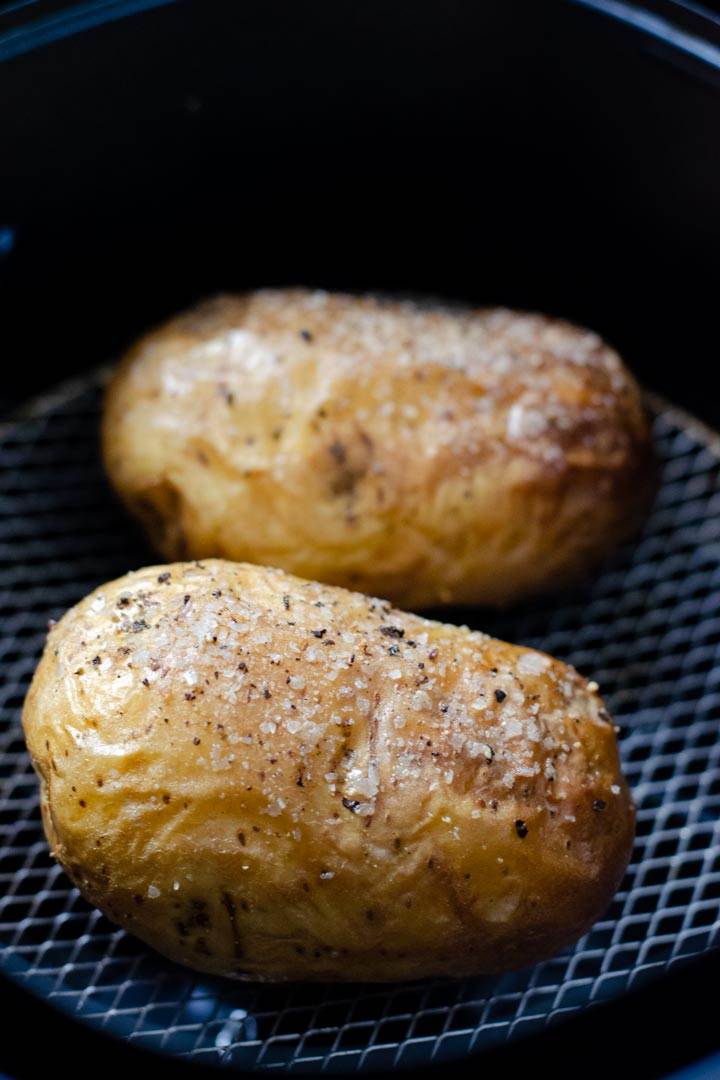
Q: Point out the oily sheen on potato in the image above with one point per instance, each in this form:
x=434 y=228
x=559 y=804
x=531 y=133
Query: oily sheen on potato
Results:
x=269 y=778
x=418 y=453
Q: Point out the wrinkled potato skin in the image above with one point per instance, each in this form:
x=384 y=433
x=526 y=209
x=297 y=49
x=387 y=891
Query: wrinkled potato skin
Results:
x=268 y=778
x=422 y=454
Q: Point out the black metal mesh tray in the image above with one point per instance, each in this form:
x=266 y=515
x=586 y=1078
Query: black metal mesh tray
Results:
x=648 y=629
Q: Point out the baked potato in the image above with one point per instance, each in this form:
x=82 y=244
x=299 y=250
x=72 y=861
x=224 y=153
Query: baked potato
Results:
x=418 y=453
x=270 y=778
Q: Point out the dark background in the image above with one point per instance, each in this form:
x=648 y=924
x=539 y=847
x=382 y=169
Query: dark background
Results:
x=532 y=154
x=526 y=153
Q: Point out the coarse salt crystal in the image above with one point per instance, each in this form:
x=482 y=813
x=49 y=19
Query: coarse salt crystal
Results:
x=512 y=727
x=533 y=663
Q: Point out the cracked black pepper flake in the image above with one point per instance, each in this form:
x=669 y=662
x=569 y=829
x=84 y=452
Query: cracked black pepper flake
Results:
x=306 y=335
x=392 y=631
x=521 y=828
x=138 y=625
x=351 y=804
x=500 y=695
x=163 y=578
x=186 y=598
x=599 y=804
x=196 y=741
x=318 y=633
x=96 y=660
x=338 y=452
x=394 y=650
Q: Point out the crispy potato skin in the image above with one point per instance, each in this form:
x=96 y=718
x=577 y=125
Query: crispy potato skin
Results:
x=418 y=453
x=269 y=778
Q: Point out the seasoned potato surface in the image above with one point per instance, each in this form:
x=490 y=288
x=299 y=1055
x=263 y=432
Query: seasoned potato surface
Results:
x=266 y=777
x=423 y=454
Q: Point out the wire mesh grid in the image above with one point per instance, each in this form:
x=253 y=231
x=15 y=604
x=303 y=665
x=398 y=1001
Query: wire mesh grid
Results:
x=648 y=629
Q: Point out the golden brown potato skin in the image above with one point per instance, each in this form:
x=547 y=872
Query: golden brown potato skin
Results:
x=413 y=452
x=270 y=778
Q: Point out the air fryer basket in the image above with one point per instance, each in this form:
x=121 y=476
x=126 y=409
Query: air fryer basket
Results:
x=648 y=629
x=506 y=152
